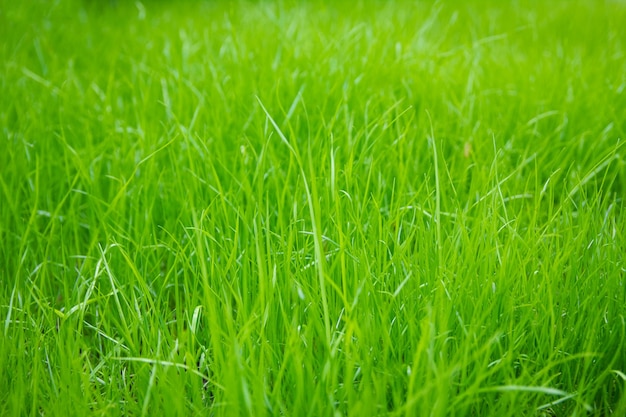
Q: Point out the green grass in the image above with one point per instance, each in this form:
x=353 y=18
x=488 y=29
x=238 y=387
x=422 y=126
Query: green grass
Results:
x=313 y=208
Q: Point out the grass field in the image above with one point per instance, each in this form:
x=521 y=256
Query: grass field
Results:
x=312 y=208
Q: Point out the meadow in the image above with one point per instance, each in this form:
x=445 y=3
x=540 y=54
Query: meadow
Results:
x=312 y=208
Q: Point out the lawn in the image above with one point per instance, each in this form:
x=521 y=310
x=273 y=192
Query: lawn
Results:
x=313 y=208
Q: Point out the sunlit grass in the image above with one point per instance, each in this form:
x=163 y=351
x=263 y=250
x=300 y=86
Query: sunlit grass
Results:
x=312 y=208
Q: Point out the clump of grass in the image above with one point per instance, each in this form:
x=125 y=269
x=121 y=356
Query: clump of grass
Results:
x=283 y=208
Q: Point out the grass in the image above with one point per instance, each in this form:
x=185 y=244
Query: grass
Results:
x=312 y=208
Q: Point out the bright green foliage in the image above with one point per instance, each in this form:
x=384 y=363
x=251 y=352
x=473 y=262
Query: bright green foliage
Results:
x=312 y=208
